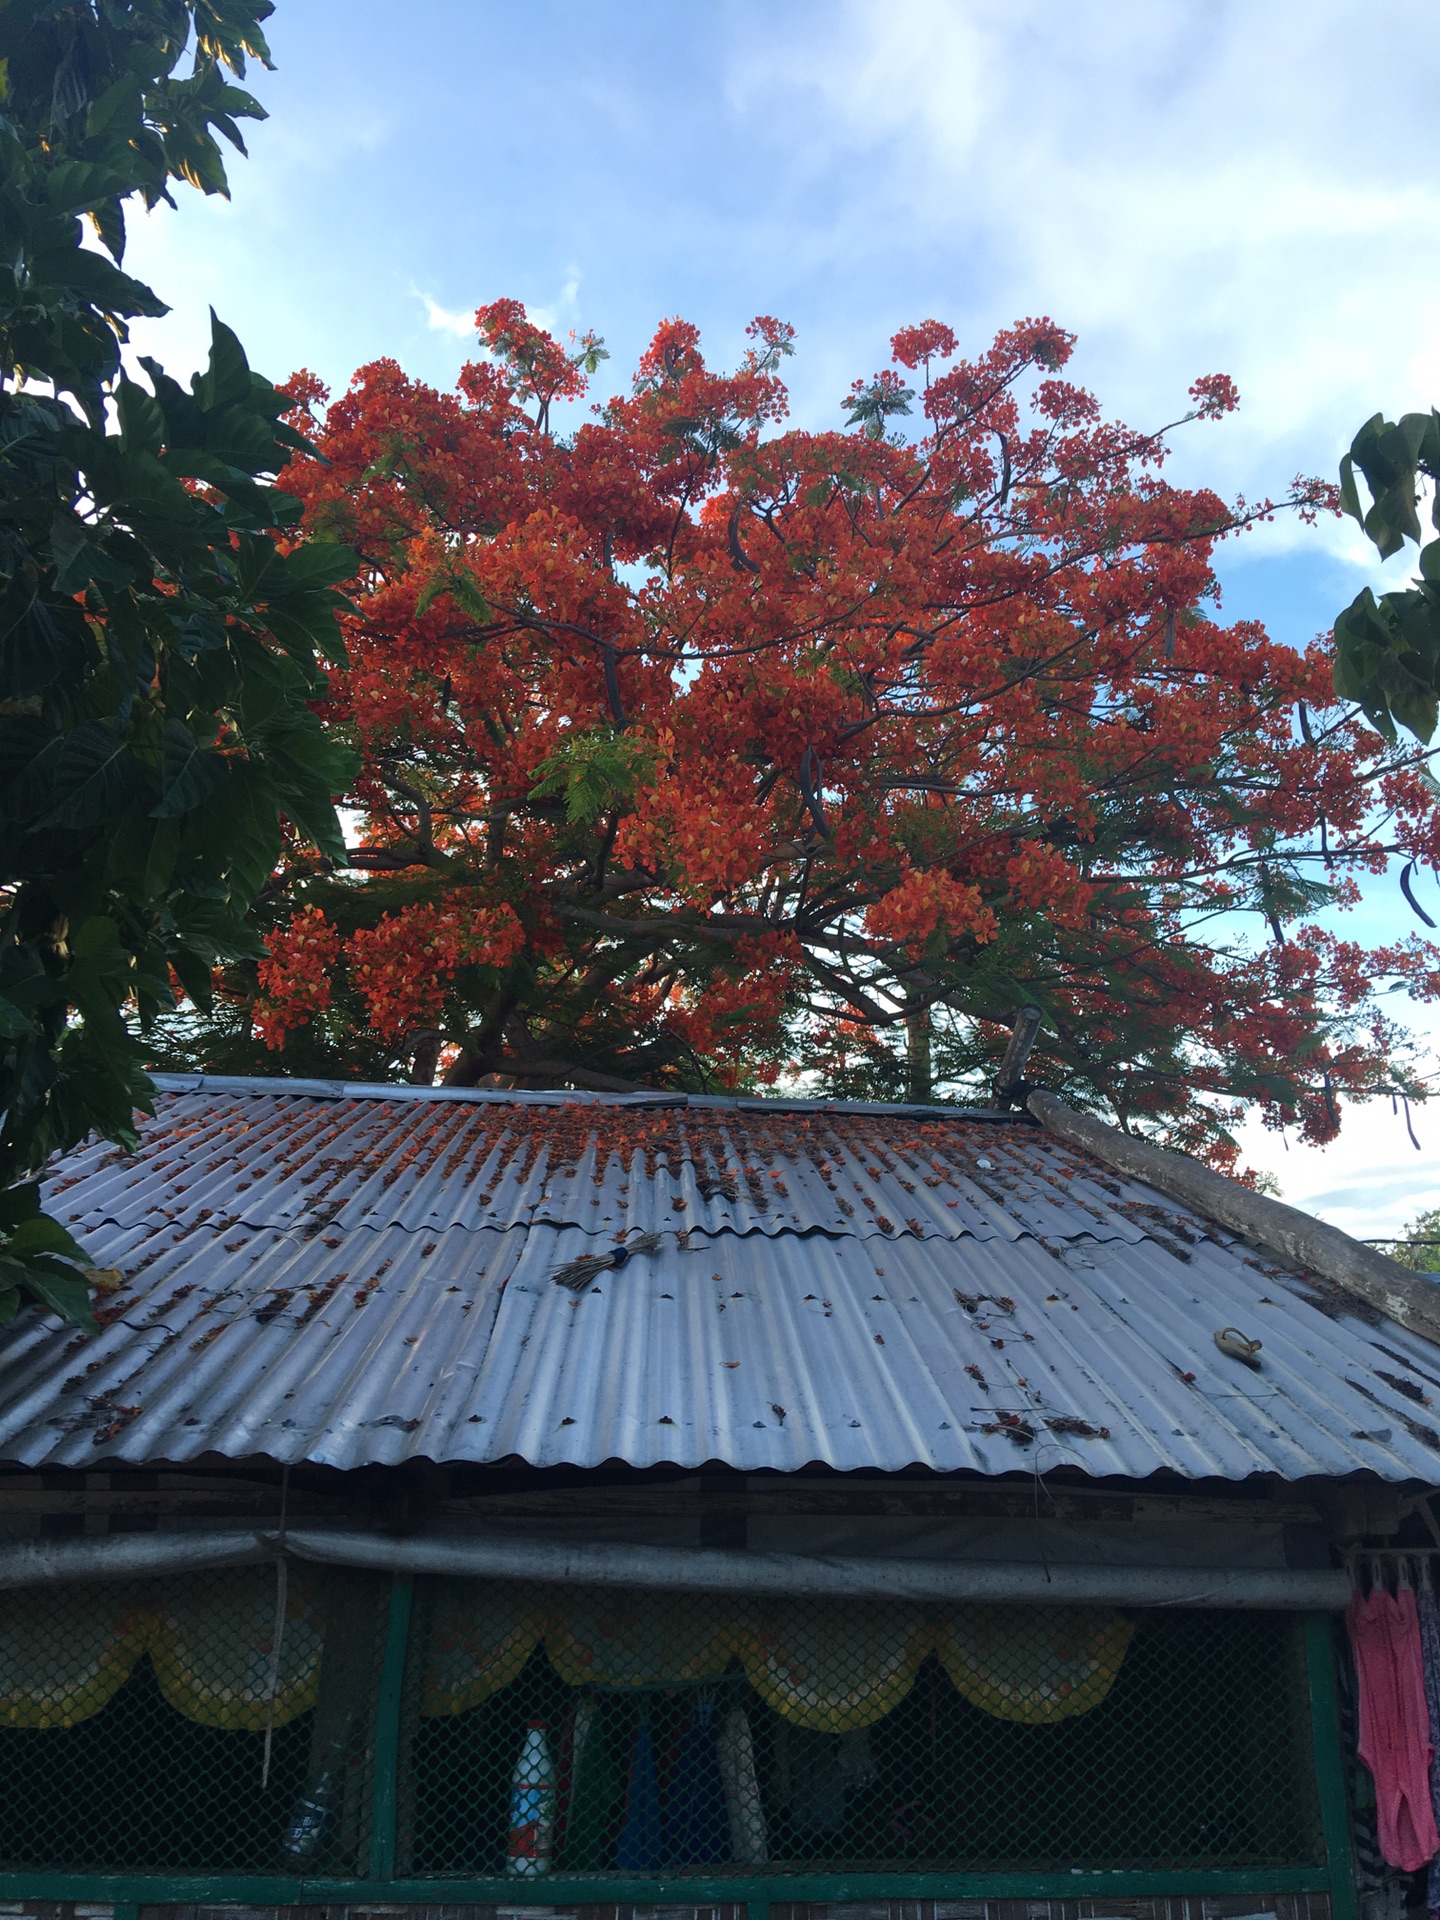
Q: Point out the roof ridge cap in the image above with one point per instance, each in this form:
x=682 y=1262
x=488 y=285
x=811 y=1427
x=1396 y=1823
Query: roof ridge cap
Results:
x=280 y=1086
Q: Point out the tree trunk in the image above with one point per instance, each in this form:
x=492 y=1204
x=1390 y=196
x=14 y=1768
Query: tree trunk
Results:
x=918 y=1088
x=424 y=1058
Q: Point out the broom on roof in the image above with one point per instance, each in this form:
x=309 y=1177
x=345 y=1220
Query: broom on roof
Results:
x=577 y=1274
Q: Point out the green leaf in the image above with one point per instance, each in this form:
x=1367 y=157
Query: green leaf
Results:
x=160 y=860
x=74 y=186
x=213 y=932
x=1392 y=458
x=1349 y=492
x=38 y=644
x=118 y=601
x=13 y=1023
x=189 y=773
x=67 y=1297
x=142 y=422
x=78 y=559
x=257 y=568
x=227 y=378
x=468 y=597
x=71 y=549
x=99 y=981
x=238 y=828
x=40 y=1234
x=90 y=773
x=319 y=563
x=184 y=419
x=1387 y=660
x=193 y=974
x=306 y=798
x=19 y=1203
x=320 y=753
x=596 y=772
x=109 y=219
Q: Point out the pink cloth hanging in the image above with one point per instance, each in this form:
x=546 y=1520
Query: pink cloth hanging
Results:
x=1394 y=1722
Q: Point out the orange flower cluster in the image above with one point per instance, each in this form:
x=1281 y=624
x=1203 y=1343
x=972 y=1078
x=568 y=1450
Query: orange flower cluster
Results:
x=930 y=904
x=295 y=979
x=695 y=745
x=403 y=966
x=735 y=1019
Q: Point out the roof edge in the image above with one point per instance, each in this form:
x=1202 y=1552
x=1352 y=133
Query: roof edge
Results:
x=1398 y=1292
x=258 y=1086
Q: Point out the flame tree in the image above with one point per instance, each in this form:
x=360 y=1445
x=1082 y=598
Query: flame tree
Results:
x=699 y=750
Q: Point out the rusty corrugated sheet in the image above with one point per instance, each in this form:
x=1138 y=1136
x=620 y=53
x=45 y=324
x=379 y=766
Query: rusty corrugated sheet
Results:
x=369 y=1278
x=276 y=1159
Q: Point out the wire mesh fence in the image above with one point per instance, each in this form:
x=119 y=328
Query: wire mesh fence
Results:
x=686 y=1733
x=567 y=1732
x=218 y=1722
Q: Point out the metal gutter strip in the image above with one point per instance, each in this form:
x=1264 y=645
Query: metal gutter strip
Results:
x=683 y=1570
x=1411 y=1298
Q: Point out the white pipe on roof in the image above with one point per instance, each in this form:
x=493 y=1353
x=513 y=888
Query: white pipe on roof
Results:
x=126 y=1556
x=684 y=1570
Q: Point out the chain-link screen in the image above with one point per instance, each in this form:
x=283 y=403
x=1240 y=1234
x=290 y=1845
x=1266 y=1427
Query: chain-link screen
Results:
x=225 y=1722
x=566 y=1732
x=220 y=1721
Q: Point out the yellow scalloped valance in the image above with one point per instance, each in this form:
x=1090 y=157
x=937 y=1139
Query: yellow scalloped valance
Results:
x=834 y=1665
x=1011 y=1666
x=831 y=1666
x=64 y=1655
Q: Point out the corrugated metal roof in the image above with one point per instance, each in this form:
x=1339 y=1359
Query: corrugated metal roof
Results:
x=275 y=1159
x=369 y=1278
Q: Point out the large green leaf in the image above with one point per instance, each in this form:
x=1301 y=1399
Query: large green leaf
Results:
x=145 y=754
x=305 y=795
x=240 y=825
x=227 y=378
x=38 y=1233
x=79 y=560
x=189 y=773
x=142 y=423
x=17 y=1203
x=319 y=563
x=39 y=644
x=65 y=1294
x=13 y=1020
x=91 y=772
x=1387 y=650
x=214 y=933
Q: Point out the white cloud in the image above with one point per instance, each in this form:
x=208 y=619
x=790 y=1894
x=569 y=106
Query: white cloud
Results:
x=557 y=317
x=444 y=319
x=1371 y=1181
x=554 y=318
x=1196 y=187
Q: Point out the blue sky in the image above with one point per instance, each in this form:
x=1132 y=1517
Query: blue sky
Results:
x=1192 y=188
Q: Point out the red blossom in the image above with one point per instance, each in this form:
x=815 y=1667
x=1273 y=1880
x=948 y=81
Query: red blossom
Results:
x=295 y=979
x=695 y=747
